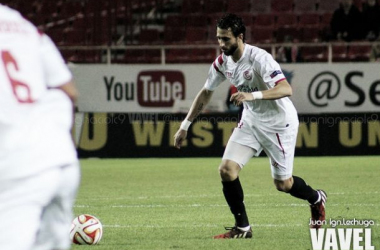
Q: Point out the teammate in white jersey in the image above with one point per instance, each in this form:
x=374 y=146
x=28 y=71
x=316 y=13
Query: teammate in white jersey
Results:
x=39 y=170
x=269 y=122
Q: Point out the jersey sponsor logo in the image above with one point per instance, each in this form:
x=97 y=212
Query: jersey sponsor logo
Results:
x=12 y=27
x=275 y=73
x=247 y=75
x=246 y=89
x=160 y=88
x=228 y=74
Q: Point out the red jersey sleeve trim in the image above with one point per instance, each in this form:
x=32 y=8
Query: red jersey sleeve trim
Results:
x=220 y=59
x=280 y=80
x=216 y=68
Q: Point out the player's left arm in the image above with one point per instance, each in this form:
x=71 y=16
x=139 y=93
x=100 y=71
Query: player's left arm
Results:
x=70 y=90
x=282 y=89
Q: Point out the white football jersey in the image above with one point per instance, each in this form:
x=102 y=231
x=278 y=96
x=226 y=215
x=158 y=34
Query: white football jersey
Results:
x=35 y=121
x=255 y=71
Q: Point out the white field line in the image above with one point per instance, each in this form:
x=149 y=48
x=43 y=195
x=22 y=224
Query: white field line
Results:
x=206 y=226
x=198 y=226
x=266 y=205
x=215 y=196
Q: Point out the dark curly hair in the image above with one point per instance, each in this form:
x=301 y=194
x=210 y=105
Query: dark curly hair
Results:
x=234 y=22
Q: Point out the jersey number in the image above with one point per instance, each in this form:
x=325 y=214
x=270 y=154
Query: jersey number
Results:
x=17 y=86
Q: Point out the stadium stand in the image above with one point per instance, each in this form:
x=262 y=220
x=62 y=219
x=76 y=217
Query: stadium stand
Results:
x=183 y=22
x=234 y=6
x=287 y=20
x=309 y=20
x=359 y=53
x=282 y=6
x=262 y=35
x=302 y=6
x=314 y=54
x=339 y=53
x=265 y=20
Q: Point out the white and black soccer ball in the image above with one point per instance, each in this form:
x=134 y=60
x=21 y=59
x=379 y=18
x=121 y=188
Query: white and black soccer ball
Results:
x=86 y=230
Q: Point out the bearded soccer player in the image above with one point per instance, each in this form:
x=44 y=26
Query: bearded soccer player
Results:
x=39 y=168
x=269 y=122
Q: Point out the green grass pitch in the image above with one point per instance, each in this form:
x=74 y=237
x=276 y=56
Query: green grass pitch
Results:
x=159 y=203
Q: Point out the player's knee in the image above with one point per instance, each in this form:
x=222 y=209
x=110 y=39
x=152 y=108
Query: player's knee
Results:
x=283 y=186
x=227 y=173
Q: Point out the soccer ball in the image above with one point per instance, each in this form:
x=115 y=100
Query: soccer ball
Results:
x=86 y=230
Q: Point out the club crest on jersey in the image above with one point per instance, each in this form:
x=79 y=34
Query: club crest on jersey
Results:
x=247 y=75
x=275 y=73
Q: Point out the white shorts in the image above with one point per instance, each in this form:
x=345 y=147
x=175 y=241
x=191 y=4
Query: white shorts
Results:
x=36 y=212
x=246 y=142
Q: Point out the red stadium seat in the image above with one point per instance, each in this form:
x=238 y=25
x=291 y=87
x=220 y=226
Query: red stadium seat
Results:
x=196 y=35
x=70 y=9
x=178 y=55
x=80 y=23
x=197 y=20
x=234 y=6
x=326 y=19
x=260 y=6
x=286 y=20
x=70 y=55
x=191 y=7
x=339 y=53
x=314 y=54
x=202 y=55
x=49 y=9
x=214 y=6
x=262 y=35
x=265 y=20
x=302 y=6
x=328 y=6
x=175 y=21
x=149 y=36
x=56 y=35
x=75 y=37
x=282 y=5
x=174 y=36
x=288 y=34
x=82 y=56
x=309 y=20
x=359 y=53
x=248 y=19
x=310 y=34
x=248 y=34
x=140 y=56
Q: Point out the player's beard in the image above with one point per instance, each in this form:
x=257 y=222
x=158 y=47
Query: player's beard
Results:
x=231 y=50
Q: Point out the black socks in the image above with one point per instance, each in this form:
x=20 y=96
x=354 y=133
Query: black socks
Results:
x=233 y=192
x=303 y=191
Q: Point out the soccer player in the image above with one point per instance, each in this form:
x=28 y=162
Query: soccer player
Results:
x=39 y=170
x=269 y=122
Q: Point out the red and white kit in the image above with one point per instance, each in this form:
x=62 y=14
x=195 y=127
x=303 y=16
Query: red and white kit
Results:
x=269 y=125
x=39 y=171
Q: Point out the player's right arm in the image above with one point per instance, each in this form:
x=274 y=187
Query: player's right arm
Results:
x=200 y=101
x=215 y=77
x=57 y=74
